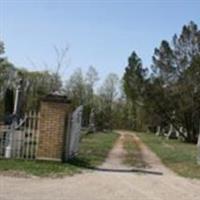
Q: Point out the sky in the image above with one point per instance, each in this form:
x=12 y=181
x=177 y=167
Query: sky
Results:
x=99 y=33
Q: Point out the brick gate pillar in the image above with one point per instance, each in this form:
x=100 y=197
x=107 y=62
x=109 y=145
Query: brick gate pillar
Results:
x=54 y=110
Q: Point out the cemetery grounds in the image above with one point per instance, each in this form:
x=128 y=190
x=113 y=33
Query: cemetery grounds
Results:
x=118 y=177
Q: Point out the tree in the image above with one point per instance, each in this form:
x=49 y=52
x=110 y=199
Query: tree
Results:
x=108 y=90
x=80 y=89
x=134 y=80
x=171 y=61
x=189 y=104
x=60 y=63
x=107 y=94
x=75 y=88
x=56 y=69
x=1 y=47
x=88 y=110
x=36 y=85
x=7 y=79
x=134 y=77
x=90 y=81
x=92 y=77
x=173 y=65
x=8 y=102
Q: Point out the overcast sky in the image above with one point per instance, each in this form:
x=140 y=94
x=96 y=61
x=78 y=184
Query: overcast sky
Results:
x=99 y=33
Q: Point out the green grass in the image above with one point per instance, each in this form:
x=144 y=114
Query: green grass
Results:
x=133 y=153
x=177 y=155
x=37 y=168
x=93 y=151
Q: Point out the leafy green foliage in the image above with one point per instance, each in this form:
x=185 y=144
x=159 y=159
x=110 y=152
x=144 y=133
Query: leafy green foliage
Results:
x=170 y=95
x=9 y=101
x=36 y=86
x=134 y=78
x=134 y=82
x=107 y=96
x=174 y=65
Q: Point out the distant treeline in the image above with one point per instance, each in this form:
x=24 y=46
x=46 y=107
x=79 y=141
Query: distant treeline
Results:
x=166 y=93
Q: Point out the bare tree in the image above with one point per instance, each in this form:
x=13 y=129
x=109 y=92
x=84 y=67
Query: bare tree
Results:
x=108 y=93
x=58 y=67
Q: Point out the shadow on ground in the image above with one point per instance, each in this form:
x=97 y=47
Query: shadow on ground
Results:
x=86 y=165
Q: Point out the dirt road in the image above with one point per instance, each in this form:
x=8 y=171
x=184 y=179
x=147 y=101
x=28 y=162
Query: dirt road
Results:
x=113 y=182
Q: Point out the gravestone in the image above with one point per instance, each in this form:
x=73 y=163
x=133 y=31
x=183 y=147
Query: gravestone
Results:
x=158 y=132
x=172 y=134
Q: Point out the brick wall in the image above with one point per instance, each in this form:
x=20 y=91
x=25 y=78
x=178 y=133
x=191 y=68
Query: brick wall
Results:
x=52 y=128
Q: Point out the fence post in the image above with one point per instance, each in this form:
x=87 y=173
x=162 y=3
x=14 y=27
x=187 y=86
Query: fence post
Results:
x=9 y=147
x=54 y=110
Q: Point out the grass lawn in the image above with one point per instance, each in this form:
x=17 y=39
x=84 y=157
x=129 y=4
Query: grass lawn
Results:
x=36 y=168
x=93 y=151
x=133 y=156
x=177 y=155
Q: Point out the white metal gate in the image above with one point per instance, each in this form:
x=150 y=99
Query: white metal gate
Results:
x=74 y=133
x=20 y=141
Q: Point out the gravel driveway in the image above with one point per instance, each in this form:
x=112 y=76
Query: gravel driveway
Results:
x=108 y=184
